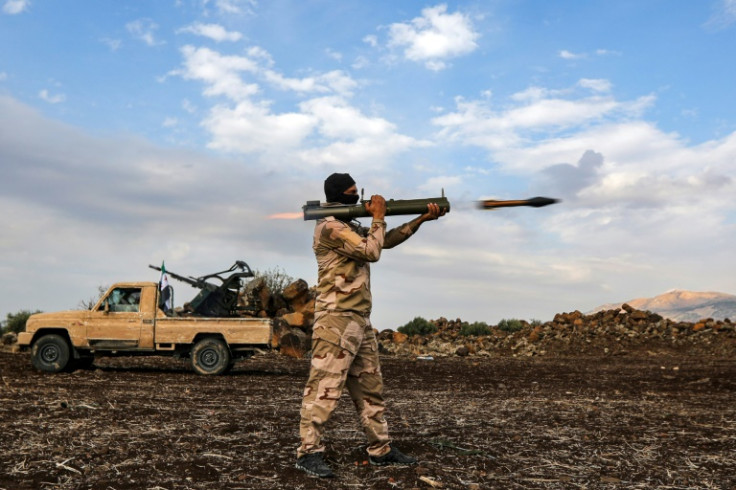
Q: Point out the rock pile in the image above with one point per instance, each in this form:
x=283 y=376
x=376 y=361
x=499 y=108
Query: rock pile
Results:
x=9 y=338
x=609 y=332
x=617 y=331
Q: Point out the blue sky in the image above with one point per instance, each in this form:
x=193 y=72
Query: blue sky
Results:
x=136 y=132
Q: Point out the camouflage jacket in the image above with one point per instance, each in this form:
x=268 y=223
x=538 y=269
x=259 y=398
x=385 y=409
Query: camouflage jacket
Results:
x=344 y=251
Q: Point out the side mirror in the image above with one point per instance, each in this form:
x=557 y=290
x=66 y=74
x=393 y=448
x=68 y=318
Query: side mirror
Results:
x=107 y=307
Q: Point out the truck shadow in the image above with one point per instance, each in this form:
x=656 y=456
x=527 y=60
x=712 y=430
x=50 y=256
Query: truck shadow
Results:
x=236 y=372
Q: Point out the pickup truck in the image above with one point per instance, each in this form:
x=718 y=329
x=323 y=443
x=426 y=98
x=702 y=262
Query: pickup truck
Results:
x=129 y=320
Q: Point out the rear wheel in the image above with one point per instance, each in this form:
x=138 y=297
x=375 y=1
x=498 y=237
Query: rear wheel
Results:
x=50 y=353
x=210 y=357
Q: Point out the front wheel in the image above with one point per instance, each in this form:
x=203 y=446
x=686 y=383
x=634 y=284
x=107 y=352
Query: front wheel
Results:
x=210 y=357
x=50 y=353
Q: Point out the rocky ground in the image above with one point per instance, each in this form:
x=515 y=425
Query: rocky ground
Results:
x=616 y=332
x=569 y=404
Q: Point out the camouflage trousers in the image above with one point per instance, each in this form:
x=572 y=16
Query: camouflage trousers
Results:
x=344 y=354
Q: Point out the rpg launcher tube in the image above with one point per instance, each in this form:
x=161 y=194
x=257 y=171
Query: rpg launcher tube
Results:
x=315 y=210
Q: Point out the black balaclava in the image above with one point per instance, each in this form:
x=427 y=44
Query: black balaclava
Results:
x=335 y=187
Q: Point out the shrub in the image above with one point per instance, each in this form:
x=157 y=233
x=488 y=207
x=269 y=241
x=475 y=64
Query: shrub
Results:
x=510 y=325
x=475 y=328
x=418 y=326
x=535 y=323
x=276 y=279
x=16 y=322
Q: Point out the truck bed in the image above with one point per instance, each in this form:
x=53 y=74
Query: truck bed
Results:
x=171 y=330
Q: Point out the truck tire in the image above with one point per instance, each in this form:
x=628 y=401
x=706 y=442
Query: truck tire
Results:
x=50 y=353
x=210 y=356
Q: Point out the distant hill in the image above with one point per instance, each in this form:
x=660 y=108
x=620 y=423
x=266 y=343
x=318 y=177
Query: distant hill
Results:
x=684 y=306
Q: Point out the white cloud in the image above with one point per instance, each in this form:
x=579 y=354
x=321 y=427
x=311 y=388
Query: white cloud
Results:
x=219 y=73
x=319 y=130
x=724 y=15
x=729 y=7
x=607 y=52
x=51 y=99
x=233 y=6
x=188 y=106
x=531 y=93
x=539 y=110
x=3 y=76
x=334 y=81
x=144 y=30
x=335 y=55
x=223 y=74
x=113 y=44
x=569 y=55
x=371 y=40
x=434 y=37
x=249 y=127
x=13 y=7
x=360 y=152
x=595 y=84
x=436 y=184
x=339 y=120
x=360 y=63
x=215 y=32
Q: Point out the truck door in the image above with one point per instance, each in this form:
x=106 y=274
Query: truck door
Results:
x=116 y=324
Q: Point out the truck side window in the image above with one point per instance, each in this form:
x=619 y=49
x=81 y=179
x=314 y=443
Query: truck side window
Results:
x=124 y=300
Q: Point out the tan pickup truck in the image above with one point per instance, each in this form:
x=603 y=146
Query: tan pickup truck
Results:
x=127 y=320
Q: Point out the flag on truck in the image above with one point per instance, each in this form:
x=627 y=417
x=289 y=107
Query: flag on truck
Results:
x=166 y=300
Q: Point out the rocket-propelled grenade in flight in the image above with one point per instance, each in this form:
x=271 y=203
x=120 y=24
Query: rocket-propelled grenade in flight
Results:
x=535 y=202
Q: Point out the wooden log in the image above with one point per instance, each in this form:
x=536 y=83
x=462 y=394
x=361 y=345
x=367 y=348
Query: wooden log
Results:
x=294 y=319
x=295 y=343
x=295 y=290
x=280 y=327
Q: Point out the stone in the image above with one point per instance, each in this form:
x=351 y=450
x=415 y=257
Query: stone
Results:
x=399 y=338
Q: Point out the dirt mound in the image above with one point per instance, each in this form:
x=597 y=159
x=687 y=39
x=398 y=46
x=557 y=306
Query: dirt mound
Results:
x=611 y=332
x=684 y=306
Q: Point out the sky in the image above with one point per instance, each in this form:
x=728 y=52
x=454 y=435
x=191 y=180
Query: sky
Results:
x=133 y=133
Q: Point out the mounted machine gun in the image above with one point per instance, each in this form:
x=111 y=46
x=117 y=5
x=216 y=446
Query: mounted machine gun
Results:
x=216 y=299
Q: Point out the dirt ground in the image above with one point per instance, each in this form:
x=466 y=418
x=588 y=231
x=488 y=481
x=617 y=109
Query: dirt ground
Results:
x=644 y=421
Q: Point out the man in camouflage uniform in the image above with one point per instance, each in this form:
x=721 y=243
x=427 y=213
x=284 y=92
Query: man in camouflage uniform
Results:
x=344 y=345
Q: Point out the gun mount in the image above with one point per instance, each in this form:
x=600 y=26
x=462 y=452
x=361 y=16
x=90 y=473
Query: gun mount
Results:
x=219 y=294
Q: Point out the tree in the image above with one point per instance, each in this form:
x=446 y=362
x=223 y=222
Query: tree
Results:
x=88 y=304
